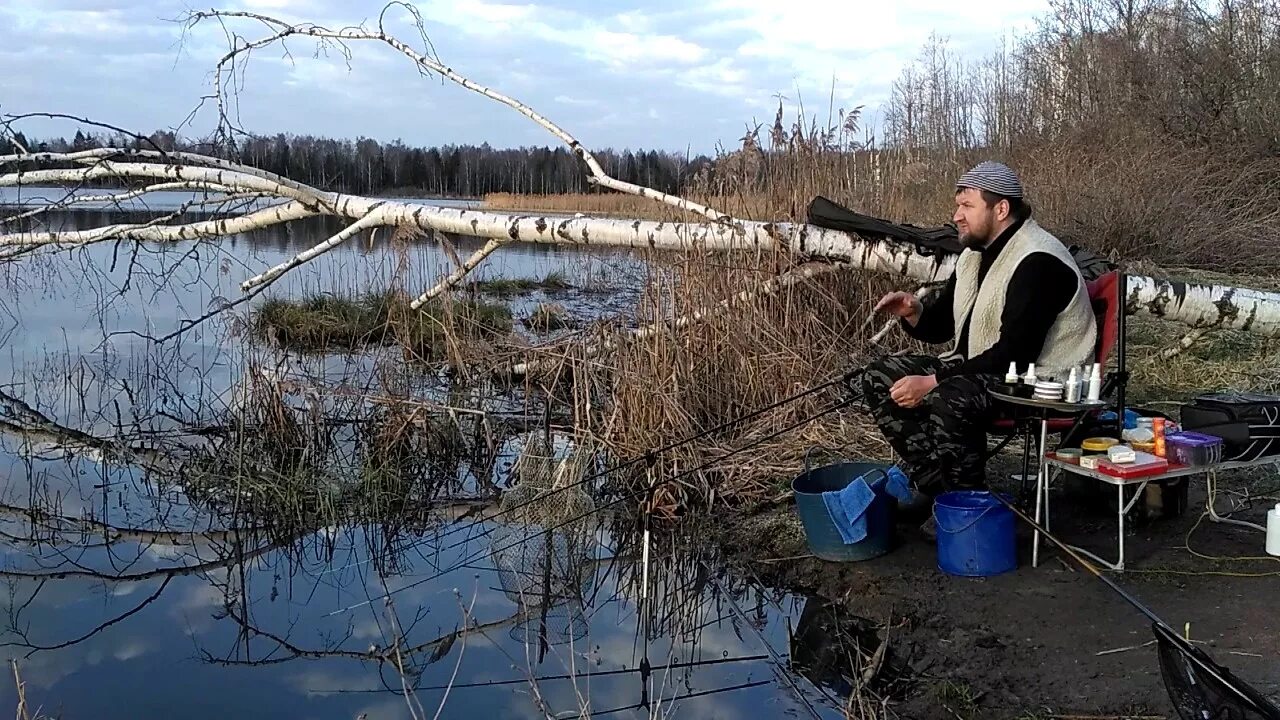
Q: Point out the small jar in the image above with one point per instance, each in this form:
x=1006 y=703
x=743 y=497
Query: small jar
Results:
x=1097 y=445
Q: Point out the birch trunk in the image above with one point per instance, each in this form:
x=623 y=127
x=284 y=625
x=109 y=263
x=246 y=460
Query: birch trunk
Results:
x=1198 y=306
x=1194 y=305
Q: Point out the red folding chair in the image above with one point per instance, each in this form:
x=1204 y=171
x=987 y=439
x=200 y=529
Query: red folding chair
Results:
x=1104 y=295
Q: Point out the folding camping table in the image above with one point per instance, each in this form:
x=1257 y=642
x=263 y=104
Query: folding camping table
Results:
x=1044 y=409
x=1051 y=467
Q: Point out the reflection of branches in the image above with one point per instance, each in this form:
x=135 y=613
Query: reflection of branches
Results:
x=112 y=533
x=382 y=655
x=119 y=618
x=33 y=424
x=168 y=572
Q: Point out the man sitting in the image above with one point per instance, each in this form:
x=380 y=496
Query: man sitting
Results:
x=1016 y=296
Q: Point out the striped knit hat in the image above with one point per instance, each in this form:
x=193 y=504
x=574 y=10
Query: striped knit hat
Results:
x=994 y=177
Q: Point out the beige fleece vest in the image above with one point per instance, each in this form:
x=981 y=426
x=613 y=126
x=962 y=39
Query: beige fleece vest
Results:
x=1072 y=337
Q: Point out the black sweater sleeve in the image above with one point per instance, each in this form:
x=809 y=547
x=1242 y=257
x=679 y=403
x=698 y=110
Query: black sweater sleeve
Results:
x=1041 y=287
x=936 y=323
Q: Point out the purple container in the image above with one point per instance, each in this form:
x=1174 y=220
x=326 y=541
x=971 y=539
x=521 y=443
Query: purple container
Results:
x=1193 y=449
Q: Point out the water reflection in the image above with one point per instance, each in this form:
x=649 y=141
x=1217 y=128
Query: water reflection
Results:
x=339 y=622
x=273 y=534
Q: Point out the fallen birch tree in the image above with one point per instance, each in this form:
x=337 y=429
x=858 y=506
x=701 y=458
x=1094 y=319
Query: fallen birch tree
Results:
x=142 y=171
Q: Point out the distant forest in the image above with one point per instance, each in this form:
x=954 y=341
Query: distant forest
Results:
x=368 y=167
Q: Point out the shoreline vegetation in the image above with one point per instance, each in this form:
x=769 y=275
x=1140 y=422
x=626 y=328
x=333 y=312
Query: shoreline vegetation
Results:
x=1093 y=106
x=352 y=322
x=324 y=322
x=1147 y=132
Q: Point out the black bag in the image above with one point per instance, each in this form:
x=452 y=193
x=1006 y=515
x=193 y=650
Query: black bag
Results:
x=1248 y=423
x=941 y=240
x=937 y=240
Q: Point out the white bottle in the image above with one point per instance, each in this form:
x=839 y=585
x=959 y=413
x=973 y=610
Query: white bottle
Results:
x=1011 y=377
x=1273 y=531
x=1095 y=382
x=1073 y=386
x=1030 y=377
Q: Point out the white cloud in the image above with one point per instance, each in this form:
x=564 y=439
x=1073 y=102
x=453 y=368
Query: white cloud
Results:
x=581 y=102
x=619 y=42
x=865 y=42
x=620 y=49
x=621 y=74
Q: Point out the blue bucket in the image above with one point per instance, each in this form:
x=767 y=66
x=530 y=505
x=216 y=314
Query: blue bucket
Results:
x=821 y=534
x=976 y=534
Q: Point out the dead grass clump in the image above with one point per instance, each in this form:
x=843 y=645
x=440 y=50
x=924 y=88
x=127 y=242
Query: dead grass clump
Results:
x=327 y=323
x=407 y=459
x=672 y=385
x=548 y=317
x=1222 y=360
x=602 y=203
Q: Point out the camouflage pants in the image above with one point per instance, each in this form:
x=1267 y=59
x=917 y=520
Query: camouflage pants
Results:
x=942 y=442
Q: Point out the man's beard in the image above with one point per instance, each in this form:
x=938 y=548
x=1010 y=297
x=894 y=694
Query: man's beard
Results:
x=974 y=242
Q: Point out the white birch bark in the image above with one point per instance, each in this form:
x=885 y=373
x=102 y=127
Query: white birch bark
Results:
x=1199 y=306
x=373 y=219
x=1195 y=305
x=283 y=30
x=454 y=277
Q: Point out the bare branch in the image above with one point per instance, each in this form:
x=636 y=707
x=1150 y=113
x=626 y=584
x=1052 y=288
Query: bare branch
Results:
x=375 y=218
x=597 y=175
x=153 y=231
x=71 y=199
x=456 y=276
x=33 y=649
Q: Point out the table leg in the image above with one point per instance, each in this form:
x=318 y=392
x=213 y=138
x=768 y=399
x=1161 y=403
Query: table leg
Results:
x=1026 y=466
x=1042 y=491
x=1211 y=495
x=1120 y=522
x=1122 y=509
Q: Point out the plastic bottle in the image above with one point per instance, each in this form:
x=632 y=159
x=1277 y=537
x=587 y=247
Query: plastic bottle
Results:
x=1073 y=386
x=1095 y=382
x=1030 y=377
x=1011 y=377
x=1273 y=531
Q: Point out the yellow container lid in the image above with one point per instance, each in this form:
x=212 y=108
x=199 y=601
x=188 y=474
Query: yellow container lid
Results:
x=1098 y=444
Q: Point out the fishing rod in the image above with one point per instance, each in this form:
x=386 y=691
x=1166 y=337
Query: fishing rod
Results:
x=578 y=676
x=651 y=456
x=1243 y=693
x=624 y=498
x=1085 y=563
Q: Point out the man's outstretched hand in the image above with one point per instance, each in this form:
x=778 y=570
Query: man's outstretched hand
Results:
x=903 y=304
x=910 y=391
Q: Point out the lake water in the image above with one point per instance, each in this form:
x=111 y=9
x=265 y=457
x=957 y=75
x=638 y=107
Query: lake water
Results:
x=127 y=598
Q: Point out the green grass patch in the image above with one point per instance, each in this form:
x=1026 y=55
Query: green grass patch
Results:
x=553 y=281
x=327 y=322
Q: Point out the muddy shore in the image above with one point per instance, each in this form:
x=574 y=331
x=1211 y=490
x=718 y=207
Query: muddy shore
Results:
x=1043 y=642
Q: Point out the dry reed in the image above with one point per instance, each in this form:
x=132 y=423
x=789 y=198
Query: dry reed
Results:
x=1118 y=153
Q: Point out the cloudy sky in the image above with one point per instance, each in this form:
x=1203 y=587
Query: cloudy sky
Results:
x=617 y=73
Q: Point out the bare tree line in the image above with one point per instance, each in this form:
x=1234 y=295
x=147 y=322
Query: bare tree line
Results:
x=367 y=166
